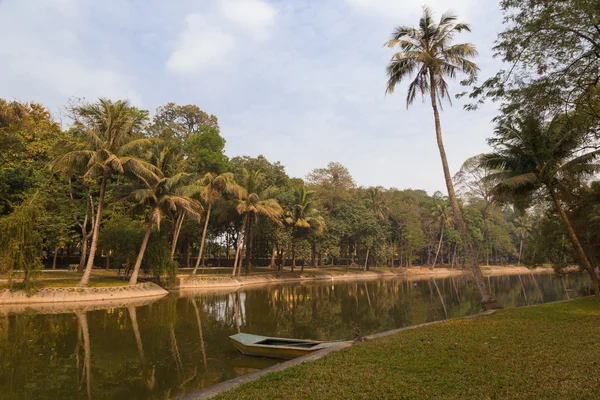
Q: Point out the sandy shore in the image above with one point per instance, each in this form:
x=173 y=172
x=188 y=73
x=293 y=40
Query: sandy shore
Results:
x=225 y=281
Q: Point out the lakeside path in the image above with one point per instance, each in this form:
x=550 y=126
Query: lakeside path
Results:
x=216 y=281
x=550 y=351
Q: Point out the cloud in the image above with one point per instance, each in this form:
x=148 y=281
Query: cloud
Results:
x=42 y=45
x=200 y=45
x=256 y=16
x=209 y=39
x=396 y=9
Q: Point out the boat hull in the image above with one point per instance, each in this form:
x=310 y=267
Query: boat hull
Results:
x=285 y=349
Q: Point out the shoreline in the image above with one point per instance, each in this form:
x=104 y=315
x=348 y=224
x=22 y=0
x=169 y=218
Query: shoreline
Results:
x=92 y=295
x=227 y=386
x=227 y=282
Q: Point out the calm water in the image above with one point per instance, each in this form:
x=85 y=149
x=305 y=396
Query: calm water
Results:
x=179 y=344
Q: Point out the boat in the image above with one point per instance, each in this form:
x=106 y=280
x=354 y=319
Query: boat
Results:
x=273 y=347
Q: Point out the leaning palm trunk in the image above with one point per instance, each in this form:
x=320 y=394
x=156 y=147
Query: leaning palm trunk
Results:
x=178 y=226
x=239 y=245
x=202 y=241
x=581 y=256
x=487 y=301
x=87 y=368
x=85 y=279
x=438 y=248
x=140 y=257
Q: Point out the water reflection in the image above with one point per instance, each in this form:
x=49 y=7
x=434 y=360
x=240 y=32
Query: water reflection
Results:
x=179 y=344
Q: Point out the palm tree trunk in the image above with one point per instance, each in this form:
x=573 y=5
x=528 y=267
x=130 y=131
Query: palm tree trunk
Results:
x=438 y=248
x=367 y=260
x=83 y=324
x=55 y=256
x=85 y=279
x=520 y=249
x=487 y=302
x=203 y=239
x=293 y=253
x=272 y=263
x=248 y=245
x=575 y=242
x=140 y=257
x=239 y=245
x=178 y=226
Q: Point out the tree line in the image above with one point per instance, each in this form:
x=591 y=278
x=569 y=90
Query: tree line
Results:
x=158 y=193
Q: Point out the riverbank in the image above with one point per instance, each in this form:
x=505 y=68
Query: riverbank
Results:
x=62 y=294
x=337 y=274
x=542 y=352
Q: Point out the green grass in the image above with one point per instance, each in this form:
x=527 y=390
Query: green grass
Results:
x=67 y=282
x=544 y=352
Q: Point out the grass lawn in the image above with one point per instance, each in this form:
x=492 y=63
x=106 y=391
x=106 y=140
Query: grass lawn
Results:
x=67 y=282
x=544 y=352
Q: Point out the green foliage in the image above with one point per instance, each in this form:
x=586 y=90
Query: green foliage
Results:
x=121 y=237
x=158 y=262
x=21 y=246
x=205 y=152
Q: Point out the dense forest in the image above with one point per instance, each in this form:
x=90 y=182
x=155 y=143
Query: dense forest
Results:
x=119 y=187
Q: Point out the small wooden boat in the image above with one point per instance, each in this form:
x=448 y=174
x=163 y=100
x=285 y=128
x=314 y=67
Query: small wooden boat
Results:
x=272 y=347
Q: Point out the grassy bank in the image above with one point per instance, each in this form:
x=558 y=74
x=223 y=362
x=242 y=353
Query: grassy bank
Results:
x=544 y=352
x=63 y=282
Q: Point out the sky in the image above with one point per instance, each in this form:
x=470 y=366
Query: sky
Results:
x=298 y=81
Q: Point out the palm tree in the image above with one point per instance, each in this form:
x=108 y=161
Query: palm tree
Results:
x=162 y=197
x=523 y=223
x=428 y=51
x=443 y=216
x=106 y=141
x=211 y=189
x=254 y=202
x=530 y=156
x=376 y=203
x=304 y=218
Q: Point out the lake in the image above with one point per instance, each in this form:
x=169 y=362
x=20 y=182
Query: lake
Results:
x=178 y=344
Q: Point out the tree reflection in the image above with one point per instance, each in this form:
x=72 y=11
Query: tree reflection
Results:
x=86 y=372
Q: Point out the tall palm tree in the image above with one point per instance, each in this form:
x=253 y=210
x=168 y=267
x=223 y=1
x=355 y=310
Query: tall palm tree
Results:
x=254 y=202
x=444 y=218
x=211 y=189
x=428 y=52
x=106 y=140
x=530 y=156
x=304 y=218
x=377 y=205
x=161 y=197
x=523 y=223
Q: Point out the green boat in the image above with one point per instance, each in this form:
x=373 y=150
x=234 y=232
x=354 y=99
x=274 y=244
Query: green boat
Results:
x=272 y=347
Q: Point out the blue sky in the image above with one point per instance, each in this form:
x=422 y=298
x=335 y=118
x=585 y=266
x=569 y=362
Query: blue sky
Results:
x=301 y=82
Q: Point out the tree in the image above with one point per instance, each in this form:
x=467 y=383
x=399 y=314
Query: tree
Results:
x=429 y=51
x=331 y=183
x=27 y=138
x=205 y=152
x=304 y=218
x=552 y=49
x=105 y=141
x=161 y=197
x=20 y=238
x=180 y=122
x=255 y=201
x=523 y=224
x=530 y=155
x=441 y=213
x=211 y=189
